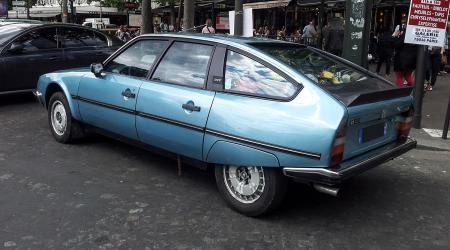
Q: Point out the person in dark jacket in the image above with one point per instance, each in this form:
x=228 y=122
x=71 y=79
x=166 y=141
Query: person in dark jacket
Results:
x=385 y=50
x=334 y=36
x=405 y=58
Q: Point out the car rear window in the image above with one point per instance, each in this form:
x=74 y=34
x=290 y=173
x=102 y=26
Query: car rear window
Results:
x=321 y=69
x=339 y=78
x=7 y=31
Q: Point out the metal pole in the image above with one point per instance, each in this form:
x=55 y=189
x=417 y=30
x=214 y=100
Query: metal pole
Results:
x=27 y=4
x=321 y=21
x=238 y=18
x=188 y=17
x=72 y=19
x=418 y=88
x=446 y=122
x=213 y=14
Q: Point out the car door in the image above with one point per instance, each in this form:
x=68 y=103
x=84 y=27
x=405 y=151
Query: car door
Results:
x=108 y=101
x=173 y=106
x=28 y=57
x=83 y=46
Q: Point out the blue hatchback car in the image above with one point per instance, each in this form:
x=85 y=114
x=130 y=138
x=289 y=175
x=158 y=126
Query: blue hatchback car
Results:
x=259 y=111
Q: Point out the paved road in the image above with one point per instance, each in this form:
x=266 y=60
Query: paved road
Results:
x=104 y=194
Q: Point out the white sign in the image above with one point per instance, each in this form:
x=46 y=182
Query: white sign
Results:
x=427 y=22
x=19 y=8
x=248 y=22
x=18 y=3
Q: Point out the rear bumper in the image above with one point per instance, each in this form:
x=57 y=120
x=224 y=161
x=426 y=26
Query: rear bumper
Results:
x=351 y=167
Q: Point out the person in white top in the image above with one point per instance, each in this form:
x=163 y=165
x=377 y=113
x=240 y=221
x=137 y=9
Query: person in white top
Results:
x=208 y=29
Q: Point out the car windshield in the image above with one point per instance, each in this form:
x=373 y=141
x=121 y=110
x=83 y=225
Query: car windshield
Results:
x=7 y=31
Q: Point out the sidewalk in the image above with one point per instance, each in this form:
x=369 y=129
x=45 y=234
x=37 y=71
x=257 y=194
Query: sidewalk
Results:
x=433 y=113
x=434 y=102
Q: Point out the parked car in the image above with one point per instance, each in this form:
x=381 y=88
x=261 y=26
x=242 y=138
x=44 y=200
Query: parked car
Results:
x=28 y=50
x=258 y=111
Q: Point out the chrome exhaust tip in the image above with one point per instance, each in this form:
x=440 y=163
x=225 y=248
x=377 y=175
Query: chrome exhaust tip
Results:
x=326 y=189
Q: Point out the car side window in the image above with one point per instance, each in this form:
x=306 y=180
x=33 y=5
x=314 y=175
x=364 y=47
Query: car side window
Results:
x=77 y=38
x=36 y=40
x=100 y=39
x=184 y=64
x=137 y=59
x=245 y=75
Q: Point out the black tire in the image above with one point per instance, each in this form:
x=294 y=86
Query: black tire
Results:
x=270 y=198
x=72 y=129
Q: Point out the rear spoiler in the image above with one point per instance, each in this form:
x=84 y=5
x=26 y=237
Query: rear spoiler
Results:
x=382 y=95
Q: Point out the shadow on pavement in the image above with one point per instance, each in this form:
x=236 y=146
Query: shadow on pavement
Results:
x=13 y=99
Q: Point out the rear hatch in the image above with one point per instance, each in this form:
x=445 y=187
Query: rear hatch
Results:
x=373 y=124
x=376 y=107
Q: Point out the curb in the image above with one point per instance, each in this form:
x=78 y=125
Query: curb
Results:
x=424 y=140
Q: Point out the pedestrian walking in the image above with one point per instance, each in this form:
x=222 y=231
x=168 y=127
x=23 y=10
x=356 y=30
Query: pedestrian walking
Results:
x=123 y=34
x=309 y=33
x=334 y=36
x=208 y=29
x=434 y=57
x=405 y=57
x=385 y=51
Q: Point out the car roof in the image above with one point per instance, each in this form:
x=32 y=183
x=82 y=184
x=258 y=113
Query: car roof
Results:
x=222 y=38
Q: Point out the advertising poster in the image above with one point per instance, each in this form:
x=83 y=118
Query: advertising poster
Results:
x=427 y=22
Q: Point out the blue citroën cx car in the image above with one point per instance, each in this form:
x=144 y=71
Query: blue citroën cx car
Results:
x=258 y=111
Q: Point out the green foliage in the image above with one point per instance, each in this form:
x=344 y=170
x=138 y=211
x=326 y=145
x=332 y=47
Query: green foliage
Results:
x=119 y=4
x=167 y=2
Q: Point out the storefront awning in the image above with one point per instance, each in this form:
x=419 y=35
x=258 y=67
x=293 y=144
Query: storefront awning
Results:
x=317 y=2
x=267 y=5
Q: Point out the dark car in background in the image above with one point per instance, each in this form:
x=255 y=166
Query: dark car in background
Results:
x=28 y=50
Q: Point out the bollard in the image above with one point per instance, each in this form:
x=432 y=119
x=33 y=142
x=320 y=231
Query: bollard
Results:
x=446 y=122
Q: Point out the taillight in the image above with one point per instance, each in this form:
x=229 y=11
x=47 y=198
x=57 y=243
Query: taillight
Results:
x=337 y=152
x=404 y=125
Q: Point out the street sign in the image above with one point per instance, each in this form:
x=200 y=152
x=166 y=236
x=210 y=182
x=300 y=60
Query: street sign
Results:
x=18 y=3
x=19 y=8
x=427 y=22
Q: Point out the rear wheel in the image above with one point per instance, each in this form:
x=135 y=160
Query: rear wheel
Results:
x=63 y=127
x=251 y=190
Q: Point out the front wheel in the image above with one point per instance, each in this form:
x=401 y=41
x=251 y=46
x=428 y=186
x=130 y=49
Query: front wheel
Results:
x=251 y=190
x=64 y=128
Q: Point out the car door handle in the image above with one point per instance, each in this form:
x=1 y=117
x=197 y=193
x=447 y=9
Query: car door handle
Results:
x=128 y=94
x=190 y=106
x=53 y=58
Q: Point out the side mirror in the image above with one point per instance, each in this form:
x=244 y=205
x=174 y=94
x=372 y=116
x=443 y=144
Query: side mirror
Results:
x=97 y=69
x=16 y=48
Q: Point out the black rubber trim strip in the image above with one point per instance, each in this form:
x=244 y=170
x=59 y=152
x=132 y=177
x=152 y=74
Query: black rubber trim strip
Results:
x=315 y=156
x=170 y=121
x=105 y=105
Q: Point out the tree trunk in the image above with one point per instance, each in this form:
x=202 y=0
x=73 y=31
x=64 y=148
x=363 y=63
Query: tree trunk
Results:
x=188 y=17
x=64 y=11
x=147 y=17
x=179 y=16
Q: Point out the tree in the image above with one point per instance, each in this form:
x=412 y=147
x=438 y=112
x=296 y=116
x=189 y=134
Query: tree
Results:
x=147 y=17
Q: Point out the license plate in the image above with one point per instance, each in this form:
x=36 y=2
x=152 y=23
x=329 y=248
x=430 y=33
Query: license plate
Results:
x=372 y=132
